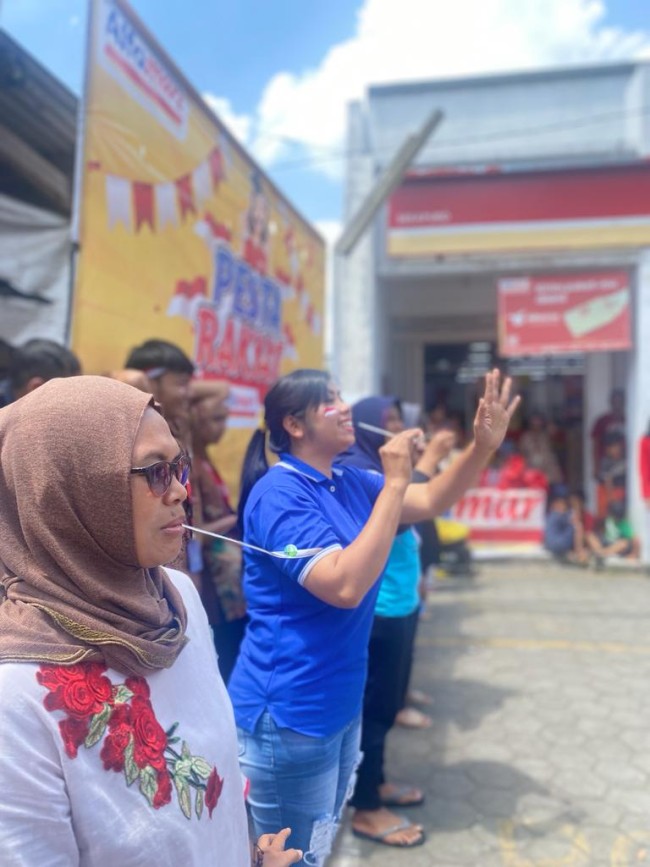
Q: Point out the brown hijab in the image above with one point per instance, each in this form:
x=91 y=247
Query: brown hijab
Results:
x=72 y=588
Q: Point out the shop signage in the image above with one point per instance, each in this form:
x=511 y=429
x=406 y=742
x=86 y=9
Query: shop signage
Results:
x=563 y=209
x=503 y=516
x=554 y=314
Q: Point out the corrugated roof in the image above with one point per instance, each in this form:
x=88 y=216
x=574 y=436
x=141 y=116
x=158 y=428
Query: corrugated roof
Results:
x=41 y=112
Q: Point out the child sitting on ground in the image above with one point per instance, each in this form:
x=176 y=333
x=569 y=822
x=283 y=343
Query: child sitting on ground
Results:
x=616 y=537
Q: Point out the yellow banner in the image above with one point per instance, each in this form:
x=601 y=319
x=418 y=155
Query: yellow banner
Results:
x=181 y=236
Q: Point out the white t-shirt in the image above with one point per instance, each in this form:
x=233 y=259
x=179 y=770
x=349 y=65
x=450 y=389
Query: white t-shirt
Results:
x=123 y=799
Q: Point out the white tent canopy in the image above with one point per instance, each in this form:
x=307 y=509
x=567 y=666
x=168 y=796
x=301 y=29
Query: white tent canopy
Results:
x=35 y=248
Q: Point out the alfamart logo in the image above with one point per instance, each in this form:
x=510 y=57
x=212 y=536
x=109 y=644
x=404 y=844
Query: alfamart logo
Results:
x=124 y=53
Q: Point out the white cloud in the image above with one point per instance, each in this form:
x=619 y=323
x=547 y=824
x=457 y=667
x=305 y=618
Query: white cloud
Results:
x=329 y=229
x=238 y=124
x=304 y=115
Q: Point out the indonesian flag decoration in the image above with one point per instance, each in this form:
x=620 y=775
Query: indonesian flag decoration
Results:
x=215 y=167
x=143 y=204
x=166 y=204
x=185 y=196
x=136 y=203
x=118 y=201
x=202 y=182
x=187 y=295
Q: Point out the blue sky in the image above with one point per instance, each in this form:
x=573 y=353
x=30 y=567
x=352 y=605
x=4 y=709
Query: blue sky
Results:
x=281 y=73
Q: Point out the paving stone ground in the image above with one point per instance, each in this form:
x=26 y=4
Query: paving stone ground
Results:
x=540 y=751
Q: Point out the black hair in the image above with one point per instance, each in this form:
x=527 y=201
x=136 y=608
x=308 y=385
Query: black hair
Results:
x=614 y=438
x=7 y=352
x=617 y=509
x=42 y=358
x=292 y=394
x=159 y=353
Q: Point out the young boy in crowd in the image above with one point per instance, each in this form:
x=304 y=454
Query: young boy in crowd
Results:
x=616 y=537
x=567 y=524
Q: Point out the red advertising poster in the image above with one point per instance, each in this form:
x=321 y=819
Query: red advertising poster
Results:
x=503 y=517
x=557 y=314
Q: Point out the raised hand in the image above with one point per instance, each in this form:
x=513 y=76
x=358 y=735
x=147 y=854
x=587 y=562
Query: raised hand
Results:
x=495 y=410
x=271 y=852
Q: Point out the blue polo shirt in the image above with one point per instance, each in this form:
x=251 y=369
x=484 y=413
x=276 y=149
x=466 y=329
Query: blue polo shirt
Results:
x=302 y=659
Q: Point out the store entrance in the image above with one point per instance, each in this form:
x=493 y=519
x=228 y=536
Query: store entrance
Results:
x=551 y=388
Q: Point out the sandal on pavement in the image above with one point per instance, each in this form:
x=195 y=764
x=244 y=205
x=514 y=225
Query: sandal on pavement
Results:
x=416 y=696
x=412 y=718
x=380 y=836
x=402 y=795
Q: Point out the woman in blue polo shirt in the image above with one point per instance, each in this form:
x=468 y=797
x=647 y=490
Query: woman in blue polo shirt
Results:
x=298 y=684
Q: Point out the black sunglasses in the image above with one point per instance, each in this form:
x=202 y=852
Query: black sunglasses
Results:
x=159 y=475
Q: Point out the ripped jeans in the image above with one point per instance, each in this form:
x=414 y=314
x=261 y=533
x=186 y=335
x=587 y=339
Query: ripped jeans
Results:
x=299 y=782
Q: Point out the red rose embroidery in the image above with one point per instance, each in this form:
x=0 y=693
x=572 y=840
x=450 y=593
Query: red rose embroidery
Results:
x=73 y=731
x=164 y=792
x=150 y=737
x=81 y=690
x=133 y=741
x=117 y=740
x=213 y=791
x=138 y=686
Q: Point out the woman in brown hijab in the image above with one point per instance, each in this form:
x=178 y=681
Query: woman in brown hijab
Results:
x=117 y=742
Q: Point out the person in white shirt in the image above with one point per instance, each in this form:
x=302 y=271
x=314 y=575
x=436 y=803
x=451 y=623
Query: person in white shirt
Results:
x=117 y=738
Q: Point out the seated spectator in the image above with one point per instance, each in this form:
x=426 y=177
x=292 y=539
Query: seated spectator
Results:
x=38 y=361
x=612 y=473
x=559 y=531
x=615 y=537
x=567 y=523
x=583 y=523
x=536 y=446
x=508 y=470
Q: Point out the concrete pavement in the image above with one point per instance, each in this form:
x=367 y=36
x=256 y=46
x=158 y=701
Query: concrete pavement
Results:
x=540 y=751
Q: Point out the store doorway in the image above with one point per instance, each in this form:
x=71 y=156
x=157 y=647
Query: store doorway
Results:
x=552 y=389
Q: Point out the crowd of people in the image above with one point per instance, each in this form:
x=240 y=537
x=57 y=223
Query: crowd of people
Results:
x=113 y=702
x=535 y=457
x=122 y=728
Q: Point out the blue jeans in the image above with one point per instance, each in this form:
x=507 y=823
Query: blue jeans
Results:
x=299 y=782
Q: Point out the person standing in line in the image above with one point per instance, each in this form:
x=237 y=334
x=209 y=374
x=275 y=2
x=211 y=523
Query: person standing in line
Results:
x=298 y=683
x=221 y=590
x=392 y=639
x=117 y=741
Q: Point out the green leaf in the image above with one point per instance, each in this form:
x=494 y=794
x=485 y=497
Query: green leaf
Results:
x=183 y=791
x=201 y=767
x=122 y=694
x=186 y=752
x=198 y=804
x=131 y=770
x=148 y=783
x=183 y=768
x=170 y=731
x=98 y=726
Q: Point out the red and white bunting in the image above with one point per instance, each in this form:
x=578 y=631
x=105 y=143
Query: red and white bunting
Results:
x=118 y=202
x=136 y=204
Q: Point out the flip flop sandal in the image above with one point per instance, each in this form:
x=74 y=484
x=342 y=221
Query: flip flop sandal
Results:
x=381 y=837
x=412 y=718
x=397 y=798
x=416 y=696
